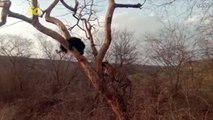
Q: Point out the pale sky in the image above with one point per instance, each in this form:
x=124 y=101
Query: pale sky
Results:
x=141 y=21
x=135 y=19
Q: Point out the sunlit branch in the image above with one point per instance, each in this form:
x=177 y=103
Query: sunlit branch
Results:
x=56 y=21
x=107 y=28
x=69 y=7
x=19 y=16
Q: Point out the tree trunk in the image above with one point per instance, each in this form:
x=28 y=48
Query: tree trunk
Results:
x=108 y=91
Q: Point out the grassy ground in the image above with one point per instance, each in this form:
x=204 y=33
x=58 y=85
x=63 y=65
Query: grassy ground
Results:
x=39 y=93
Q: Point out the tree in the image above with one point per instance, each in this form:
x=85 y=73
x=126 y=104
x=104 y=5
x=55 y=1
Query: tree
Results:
x=59 y=65
x=124 y=49
x=82 y=14
x=123 y=52
x=14 y=45
x=16 y=49
x=205 y=45
x=170 y=49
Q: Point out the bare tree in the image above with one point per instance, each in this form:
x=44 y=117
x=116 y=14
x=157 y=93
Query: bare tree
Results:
x=124 y=48
x=59 y=66
x=14 y=45
x=205 y=51
x=16 y=49
x=123 y=53
x=170 y=49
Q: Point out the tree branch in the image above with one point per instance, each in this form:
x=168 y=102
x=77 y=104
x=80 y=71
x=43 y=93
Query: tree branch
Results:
x=56 y=21
x=19 y=16
x=38 y=26
x=108 y=36
x=90 y=37
x=69 y=7
x=5 y=9
x=128 y=5
x=139 y=5
x=107 y=28
x=167 y=3
x=47 y=31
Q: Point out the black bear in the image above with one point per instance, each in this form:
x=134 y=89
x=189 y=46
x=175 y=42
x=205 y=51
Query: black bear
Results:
x=75 y=42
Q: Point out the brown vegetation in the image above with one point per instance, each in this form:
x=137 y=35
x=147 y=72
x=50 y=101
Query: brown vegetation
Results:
x=43 y=98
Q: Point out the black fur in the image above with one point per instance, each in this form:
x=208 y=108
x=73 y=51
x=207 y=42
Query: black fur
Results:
x=75 y=42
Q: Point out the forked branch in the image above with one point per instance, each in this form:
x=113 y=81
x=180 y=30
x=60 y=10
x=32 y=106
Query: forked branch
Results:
x=56 y=21
x=107 y=28
x=69 y=7
x=90 y=37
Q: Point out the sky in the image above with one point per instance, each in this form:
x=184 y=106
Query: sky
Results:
x=135 y=19
x=141 y=21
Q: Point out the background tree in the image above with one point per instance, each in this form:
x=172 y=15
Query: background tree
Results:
x=60 y=65
x=170 y=48
x=124 y=48
x=17 y=50
x=124 y=53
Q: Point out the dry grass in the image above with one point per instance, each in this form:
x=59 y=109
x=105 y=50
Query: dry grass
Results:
x=37 y=95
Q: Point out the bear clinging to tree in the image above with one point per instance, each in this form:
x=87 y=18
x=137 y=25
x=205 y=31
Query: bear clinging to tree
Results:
x=75 y=42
